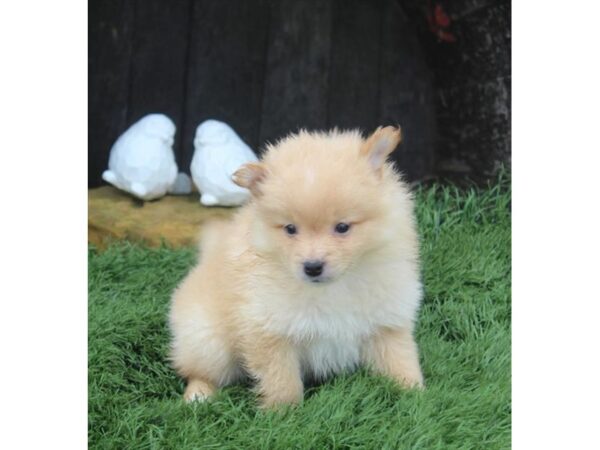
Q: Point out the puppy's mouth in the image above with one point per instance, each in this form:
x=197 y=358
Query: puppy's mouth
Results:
x=321 y=279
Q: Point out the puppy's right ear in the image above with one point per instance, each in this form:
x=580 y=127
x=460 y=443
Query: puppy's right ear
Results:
x=249 y=176
x=379 y=145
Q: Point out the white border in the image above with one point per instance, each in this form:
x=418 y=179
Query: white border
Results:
x=556 y=224
x=43 y=166
x=43 y=292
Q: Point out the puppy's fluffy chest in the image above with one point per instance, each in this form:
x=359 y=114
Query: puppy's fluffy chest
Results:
x=328 y=325
x=327 y=338
x=323 y=356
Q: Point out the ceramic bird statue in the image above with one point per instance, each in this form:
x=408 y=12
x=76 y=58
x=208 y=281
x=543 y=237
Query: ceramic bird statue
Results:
x=218 y=154
x=142 y=161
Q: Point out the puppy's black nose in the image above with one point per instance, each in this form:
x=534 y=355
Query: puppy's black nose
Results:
x=313 y=268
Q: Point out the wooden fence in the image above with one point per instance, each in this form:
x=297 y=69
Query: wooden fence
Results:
x=266 y=67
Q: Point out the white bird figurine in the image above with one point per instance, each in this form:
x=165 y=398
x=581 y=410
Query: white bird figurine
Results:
x=218 y=154
x=142 y=161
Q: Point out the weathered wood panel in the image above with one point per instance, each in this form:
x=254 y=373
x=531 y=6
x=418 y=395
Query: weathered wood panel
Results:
x=472 y=76
x=296 y=83
x=481 y=51
x=355 y=62
x=474 y=85
x=158 y=63
x=109 y=50
x=226 y=68
x=474 y=120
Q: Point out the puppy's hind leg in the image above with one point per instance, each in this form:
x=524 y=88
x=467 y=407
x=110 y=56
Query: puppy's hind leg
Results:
x=200 y=352
x=206 y=363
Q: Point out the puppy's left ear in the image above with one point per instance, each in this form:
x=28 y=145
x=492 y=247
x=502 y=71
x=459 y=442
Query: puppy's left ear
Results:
x=249 y=176
x=380 y=144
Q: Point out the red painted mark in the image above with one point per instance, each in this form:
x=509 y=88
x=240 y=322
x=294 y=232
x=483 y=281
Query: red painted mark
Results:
x=441 y=18
x=439 y=21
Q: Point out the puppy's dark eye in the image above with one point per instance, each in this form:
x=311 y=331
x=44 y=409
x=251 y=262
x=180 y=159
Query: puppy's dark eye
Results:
x=342 y=228
x=290 y=229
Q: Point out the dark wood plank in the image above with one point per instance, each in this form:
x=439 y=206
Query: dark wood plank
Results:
x=110 y=23
x=407 y=93
x=295 y=92
x=226 y=68
x=354 y=71
x=158 y=63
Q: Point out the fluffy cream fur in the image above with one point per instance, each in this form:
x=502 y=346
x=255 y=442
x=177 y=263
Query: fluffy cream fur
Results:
x=248 y=308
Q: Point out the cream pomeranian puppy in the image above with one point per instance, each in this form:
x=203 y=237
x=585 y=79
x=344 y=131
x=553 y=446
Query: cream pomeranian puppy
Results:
x=317 y=274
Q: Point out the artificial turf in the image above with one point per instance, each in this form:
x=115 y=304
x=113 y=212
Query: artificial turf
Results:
x=463 y=333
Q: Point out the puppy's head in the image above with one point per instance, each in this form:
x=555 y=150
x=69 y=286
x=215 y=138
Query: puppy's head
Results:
x=321 y=200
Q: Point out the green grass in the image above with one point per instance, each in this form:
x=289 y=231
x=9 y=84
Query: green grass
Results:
x=464 y=336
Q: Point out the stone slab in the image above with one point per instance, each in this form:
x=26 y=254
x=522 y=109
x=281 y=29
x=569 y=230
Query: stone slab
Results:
x=174 y=220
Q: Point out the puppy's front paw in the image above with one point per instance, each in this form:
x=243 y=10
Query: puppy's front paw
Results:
x=412 y=381
x=198 y=391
